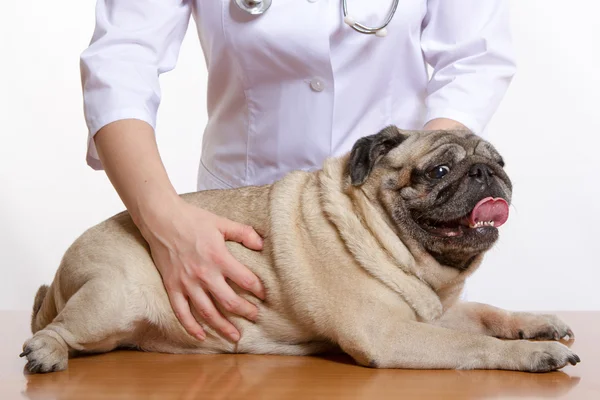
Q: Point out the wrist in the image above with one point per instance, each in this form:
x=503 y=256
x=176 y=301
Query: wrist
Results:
x=152 y=209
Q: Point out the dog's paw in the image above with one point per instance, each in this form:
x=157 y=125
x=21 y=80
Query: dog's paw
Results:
x=542 y=327
x=45 y=353
x=544 y=356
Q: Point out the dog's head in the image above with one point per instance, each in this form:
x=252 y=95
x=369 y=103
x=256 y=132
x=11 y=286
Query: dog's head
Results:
x=446 y=191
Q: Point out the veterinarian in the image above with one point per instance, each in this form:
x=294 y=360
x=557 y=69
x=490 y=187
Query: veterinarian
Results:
x=290 y=82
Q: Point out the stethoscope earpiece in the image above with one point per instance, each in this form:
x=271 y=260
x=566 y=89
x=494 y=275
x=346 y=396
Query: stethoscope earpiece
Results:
x=351 y=22
x=381 y=32
x=257 y=7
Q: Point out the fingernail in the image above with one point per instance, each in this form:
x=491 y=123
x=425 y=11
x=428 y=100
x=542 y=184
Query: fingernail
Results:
x=200 y=336
x=235 y=336
x=259 y=291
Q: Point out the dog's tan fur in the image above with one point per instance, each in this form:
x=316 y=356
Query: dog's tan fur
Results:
x=336 y=274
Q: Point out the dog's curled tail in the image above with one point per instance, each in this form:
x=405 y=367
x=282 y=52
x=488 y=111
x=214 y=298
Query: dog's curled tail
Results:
x=44 y=309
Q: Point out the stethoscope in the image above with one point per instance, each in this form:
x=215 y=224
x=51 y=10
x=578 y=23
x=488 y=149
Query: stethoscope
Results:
x=257 y=7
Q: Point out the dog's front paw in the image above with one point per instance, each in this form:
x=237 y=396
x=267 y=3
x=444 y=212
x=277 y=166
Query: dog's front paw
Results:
x=541 y=327
x=543 y=356
x=45 y=354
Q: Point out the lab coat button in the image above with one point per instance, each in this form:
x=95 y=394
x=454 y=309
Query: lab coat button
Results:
x=317 y=85
x=312 y=1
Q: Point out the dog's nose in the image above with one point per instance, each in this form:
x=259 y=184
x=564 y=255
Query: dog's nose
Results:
x=481 y=173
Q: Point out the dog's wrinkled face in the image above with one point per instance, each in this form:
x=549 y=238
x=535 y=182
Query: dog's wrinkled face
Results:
x=445 y=190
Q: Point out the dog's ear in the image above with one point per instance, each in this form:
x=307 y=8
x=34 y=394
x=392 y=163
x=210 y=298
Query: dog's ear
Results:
x=367 y=151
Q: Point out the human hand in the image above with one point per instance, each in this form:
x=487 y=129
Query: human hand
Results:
x=188 y=248
x=443 y=124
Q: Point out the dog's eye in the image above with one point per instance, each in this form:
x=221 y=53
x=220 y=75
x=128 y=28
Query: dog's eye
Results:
x=438 y=172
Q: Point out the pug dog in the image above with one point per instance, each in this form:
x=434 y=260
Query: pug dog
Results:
x=367 y=256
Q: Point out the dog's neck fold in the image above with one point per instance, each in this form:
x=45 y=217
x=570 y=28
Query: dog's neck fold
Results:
x=374 y=244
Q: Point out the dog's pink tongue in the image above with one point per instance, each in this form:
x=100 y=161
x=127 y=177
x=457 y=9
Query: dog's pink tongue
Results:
x=490 y=209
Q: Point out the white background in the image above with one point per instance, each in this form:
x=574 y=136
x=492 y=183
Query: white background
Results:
x=547 y=128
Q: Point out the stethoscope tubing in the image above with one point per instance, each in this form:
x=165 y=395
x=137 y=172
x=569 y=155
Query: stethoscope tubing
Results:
x=350 y=21
x=357 y=26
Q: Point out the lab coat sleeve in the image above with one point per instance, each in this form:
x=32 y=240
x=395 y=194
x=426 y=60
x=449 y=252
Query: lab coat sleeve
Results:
x=468 y=45
x=133 y=43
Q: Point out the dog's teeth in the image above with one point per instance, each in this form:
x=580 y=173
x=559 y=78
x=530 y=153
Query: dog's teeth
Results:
x=477 y=224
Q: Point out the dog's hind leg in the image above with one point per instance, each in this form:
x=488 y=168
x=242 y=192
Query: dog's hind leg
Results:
x=97 y=318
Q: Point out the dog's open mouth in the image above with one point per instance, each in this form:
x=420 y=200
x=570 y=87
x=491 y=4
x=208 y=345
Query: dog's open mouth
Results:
x=488 y=213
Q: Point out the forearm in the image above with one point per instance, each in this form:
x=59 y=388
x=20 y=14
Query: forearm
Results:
x=129 y=155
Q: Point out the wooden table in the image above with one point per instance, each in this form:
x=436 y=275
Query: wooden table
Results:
x=136 y=375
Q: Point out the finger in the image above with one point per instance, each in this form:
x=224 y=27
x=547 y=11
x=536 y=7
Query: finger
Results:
x=242 y=276
x=231 y=301
x=182 y=310
x=241 y=233
x=207 y=311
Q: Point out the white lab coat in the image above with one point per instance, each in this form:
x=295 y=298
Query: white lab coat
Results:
x=295 y=85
